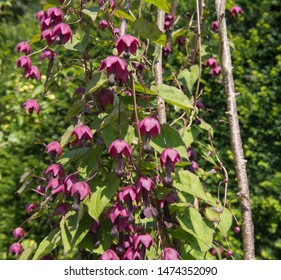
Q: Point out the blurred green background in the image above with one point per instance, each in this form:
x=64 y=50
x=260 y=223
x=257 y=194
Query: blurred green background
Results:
x=257 y=69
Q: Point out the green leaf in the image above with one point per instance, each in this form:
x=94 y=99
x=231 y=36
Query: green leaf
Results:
x=174 y=96
x=74 y=154
x=161 y=4
x=66 y=135
x=48 y=244
x=207 y=127
x=123 y=15
x=79 y=40
x=98 y=80
x=129 y=135
x=149 y=30
x=26 y=253
x=189 y=77
x=142 y=89
x=72 y=220
x=189 y=135
x=92 y=12
x=191 y=221
x=103 y=194
x=188 y=182
x=169 y=137
x=36 y=38
x=74 y=110
x=65 y=236
x=225 y=222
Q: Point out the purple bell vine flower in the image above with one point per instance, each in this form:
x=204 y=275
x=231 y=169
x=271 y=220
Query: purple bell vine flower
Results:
x=32 y=105
x=23 y=47
x=16 y=248
x=127 y=44
x=169 y=254
x=18 y=232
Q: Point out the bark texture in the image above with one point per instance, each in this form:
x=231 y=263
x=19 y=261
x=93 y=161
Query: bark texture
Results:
x=158 y=72
x=236 y=142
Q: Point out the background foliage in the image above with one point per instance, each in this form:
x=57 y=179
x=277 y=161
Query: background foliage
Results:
x=257 y=63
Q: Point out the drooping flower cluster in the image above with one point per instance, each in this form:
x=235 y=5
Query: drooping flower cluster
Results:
x=215 y=68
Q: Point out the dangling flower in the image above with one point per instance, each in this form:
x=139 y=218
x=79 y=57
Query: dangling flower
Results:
x=127 y=44
x=144 y=241
x=30 y=207
x=82 y=134
x=168 y=23
x=57 y=185
x=23 y=47
x=106 y=97
x=215 y=25
x=47 y=53
x=25 y=62
x=115 y=211
x=70 y=180
x=33 y=73
x=211 y=62
x=168 y=158
x=55 y=170
x=166 y=51
x=82 y=188
x=116 y=69
x=31 y=105
x=16 y=248
x=149 y=127
x=235 y=11
x=103 y=24
x=80 y=90
x=54 y=148
x=128 y=195
x=170 y=254
x=216 y=70
x=143 y=186
x=62 y=209
x=62 y=33
x=48 y=36
x=139 y=69
x=118 y=148
x=18 y=232
x=109 y=255
x=132 y=254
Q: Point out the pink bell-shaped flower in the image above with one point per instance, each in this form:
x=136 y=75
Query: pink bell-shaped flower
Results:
x=33 y=73
x=109 y=255
x=23 y=47
x=103 y=24
x=31 y=105
x=55 y=170
x=116 y=69
x=49 y=54
x=82 y=134
x=211 y=62
x=82 y=188
x=127 y=44
x=16 y=248
x=132 y=254
x=149 y=127
x=54 y=148
x=216 y=70
x=170 y=254
x=215 y=25
x=62 y=33
x=30 y=207
x=235 y=11
x=18 y=232
x=168 y=158
x=25 y=62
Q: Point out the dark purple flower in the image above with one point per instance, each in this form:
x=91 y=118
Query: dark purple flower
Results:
x=191 y=154
x=109 y=255
x=30 y=207
x=132 y=254
x=144 y=183
x=31 y=105
x=170 y=254
x=62 y=33
x=216 y=70
x=128 y=195
x=168 y=23
x=55 y=170
x=47 y=53
x=115 y=211
x=16 y=248
x=62 y=209
x=180 y=41
x=200 y=105
x=82 y=134
x=80 y=90
x=18 y=232
x=25 y=62
x=139 y=69
x=229 y=254
x=106 y=97
x=211 y=62
x=54 y=148
x=149 y=127
x=23 y=47
x=103 y=24
x=166 y=51
x=168 y=158
x=214 y=251
x=235 y=11
x=82 y=188
x=116 y=69
x=215 y=25
x=55 y=14
x=127 y=44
